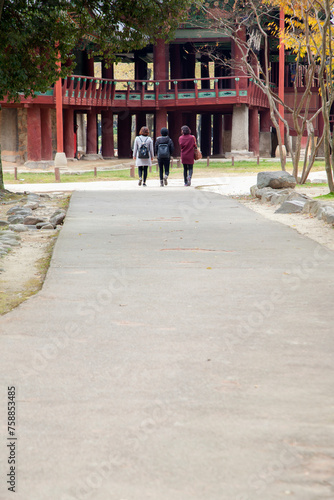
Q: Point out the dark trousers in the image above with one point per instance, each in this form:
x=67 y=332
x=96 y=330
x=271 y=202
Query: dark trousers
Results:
x=163 y=164
x=140 y=172
x=187 y=172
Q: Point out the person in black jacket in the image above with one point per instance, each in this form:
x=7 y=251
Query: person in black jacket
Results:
x=164 y=148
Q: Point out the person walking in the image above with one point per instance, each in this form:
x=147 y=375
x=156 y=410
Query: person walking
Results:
x=187 y=143
x=164 y=148
x=143 y=154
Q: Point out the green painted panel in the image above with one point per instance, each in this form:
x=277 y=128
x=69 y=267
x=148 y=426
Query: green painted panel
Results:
x=166 y=96
x=120 y=97
x=135 y=97
x=149 y=97
x=243 y=93
x=206 y=94
x=48 y=92
x=186 y=95
x=227 y=93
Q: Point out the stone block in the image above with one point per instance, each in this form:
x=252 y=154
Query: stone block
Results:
x=275 y=180
x=291 y=207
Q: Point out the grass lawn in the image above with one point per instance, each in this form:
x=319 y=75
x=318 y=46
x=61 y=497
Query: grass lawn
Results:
x=215 y=169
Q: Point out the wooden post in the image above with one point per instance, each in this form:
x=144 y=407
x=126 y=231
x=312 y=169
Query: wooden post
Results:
x=15 y=173
x=178 y=163
x=208 y=161
x=171 y=162
x=150 y=168
x=57 y=174
x=157 y=167
x=132 y=170
x=95 y=172
x=232 y=161
x=258 y=160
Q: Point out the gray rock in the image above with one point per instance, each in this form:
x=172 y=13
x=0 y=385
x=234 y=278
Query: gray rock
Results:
x=275 y=180
x=48 y=226
x=280 y=196
x=3 y=223
x=19 y=228
x=57 y=218
x=327 y=214
x=253 y=190
x=291 y=206
x=32 y=221
x=18 y=210
x=39 y=225
x=32 y=205
x=16 y=219
x=311 y=207
x=260 y=192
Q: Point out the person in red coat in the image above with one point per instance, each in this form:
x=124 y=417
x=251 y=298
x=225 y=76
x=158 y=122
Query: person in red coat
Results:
x=188 y=144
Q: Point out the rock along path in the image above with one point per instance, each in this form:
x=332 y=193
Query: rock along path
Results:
x=180 y=349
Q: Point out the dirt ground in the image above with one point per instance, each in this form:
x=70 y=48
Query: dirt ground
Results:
x=23 y=270
x=305 y=224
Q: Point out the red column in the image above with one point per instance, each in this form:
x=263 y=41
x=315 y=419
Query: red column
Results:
x=124 y=135
x=160 y=61
x=254 y=132
x=107 y=134
x=175 y=62
x=69 y=132
x=160 y=121
x=107 y=72
x=281 y=73
x=237 y=54
x=175 y=123
x=265 y=121
x=59 y=116
x=218 y=147
x=206 y=134
x=34 y=134
x=90 y=66
x=140 y=120
x=46 y=133
x=91 y=133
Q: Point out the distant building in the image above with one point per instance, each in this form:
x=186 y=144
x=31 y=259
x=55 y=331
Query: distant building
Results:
x=173 y=84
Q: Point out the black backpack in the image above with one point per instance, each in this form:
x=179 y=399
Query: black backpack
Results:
x=163 y=151
x=143 y=151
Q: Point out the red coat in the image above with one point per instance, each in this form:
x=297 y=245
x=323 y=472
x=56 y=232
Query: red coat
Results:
x=187 y=143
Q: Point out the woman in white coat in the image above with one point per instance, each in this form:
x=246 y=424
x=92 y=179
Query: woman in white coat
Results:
x=143 y=154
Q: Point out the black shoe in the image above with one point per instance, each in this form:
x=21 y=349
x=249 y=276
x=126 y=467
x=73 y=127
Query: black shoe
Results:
x=166 y=180
x=161 y=183
x=144 y=184
x=140 y=181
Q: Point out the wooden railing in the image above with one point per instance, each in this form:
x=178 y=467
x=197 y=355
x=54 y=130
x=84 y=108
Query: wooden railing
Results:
x=85 y=91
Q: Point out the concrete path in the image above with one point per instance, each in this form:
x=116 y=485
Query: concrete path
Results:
x=181 y=349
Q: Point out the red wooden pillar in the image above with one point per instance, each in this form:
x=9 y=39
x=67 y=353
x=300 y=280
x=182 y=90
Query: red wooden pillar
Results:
x=175 y=123
x=281 y=73
x=69 y=132
x=46 y=134
x=107 y=134
x=160 y=61
x=59 y=116
x=265 y=121
x=160 y=121
x=206 y=134
x=237 y=54
x=34 y=134
x=254 y=132
x=175 y=62
x=90 y=66
x=227 y=133
x=107 y=73
x=140 y=120
x=124 y=135
x=91 y=133
x=218 y=147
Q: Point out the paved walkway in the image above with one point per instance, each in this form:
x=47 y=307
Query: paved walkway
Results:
x=181 y=349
